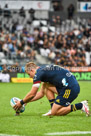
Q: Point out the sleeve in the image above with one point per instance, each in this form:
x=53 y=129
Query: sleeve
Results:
x=37 y=80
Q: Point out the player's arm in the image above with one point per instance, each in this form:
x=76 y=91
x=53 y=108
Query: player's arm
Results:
x=38 y=96
x=30 y=95
x=41 y=93
x=27 y=98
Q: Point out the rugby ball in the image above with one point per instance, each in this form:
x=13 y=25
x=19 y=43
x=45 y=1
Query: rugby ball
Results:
x=13 y=103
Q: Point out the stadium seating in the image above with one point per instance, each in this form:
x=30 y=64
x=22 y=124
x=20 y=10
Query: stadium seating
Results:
x=38 y=35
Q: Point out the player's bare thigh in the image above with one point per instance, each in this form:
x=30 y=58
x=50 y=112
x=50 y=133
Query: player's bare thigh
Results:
x=48 y=86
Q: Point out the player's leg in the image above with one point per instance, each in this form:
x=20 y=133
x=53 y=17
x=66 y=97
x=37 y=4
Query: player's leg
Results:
x=50 y=93
x=61 y=110
x=51 y=88
x=62 y=103
x=50 y=96
x=58 y=110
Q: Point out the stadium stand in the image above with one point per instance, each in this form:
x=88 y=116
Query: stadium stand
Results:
x=24 y=38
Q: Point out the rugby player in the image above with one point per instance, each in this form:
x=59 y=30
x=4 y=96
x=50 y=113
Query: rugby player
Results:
x=55 y=80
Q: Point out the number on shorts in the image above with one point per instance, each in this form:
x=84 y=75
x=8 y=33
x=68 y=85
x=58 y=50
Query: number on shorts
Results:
x=67 y=94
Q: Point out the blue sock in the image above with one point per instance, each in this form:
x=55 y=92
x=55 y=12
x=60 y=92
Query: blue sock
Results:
x=77 y=106
x=51 y=102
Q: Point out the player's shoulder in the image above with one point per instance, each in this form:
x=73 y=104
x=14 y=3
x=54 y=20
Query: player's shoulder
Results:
x=43 y=68
x=39 y=73
x=52 y=67
x=39 y=70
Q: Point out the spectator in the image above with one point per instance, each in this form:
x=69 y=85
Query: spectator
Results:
x=45 y=51
x=14 y=26
x=71 y=10
x=7 y=12
x=88 y=53
x=5 y=70
x=58 y=22
x=1 y=50
x=5 y=48
x=31 y=12
x=22 y=12
x=59 y=42
x=53 y=20
x=56 y=5
x=1 y=11
x=89 y=22
x=86 y=32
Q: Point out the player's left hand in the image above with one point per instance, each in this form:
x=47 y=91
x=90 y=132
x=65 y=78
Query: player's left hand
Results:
x=17 y=106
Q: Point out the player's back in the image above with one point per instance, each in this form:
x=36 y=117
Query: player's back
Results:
x=57 y=76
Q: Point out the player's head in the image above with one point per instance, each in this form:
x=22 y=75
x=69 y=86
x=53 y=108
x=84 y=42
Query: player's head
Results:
x=30 y=69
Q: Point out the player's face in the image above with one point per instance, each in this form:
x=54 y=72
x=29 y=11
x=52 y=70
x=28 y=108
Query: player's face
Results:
x=31 y=73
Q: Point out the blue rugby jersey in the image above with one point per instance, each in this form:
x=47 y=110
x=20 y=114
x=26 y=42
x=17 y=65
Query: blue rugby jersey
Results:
x=55 y=75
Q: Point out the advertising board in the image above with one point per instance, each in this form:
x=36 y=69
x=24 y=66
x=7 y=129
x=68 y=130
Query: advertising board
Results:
x=84 y=6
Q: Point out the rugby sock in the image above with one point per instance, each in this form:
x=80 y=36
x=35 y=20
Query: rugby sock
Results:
x=51 y=102
x=75 y=107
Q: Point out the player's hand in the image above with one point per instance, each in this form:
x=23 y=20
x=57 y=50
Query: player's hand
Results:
x=17 y=106
x=17 y=114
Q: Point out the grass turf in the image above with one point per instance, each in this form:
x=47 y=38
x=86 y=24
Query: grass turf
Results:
x=31 y=122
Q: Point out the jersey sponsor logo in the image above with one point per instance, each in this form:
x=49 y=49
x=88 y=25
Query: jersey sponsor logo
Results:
x=68 y=74
x=64 y=82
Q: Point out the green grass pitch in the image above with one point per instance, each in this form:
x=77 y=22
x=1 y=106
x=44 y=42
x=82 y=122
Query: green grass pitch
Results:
x=31 y=122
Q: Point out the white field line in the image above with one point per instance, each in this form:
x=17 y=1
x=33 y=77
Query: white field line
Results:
x=69 y=133
x=8 y=135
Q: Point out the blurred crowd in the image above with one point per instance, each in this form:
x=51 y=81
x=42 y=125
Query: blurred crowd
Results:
x=11 y=46
x=14 y=37
x=72 y=48
x=12 y=68
x=68 y=49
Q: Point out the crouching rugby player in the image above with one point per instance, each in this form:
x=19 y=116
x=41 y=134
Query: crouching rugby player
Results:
x=55 y=80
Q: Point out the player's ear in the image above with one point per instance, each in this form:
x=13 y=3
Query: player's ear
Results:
x=32 y=70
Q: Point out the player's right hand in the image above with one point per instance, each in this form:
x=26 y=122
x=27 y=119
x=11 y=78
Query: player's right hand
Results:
x=17 y=114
